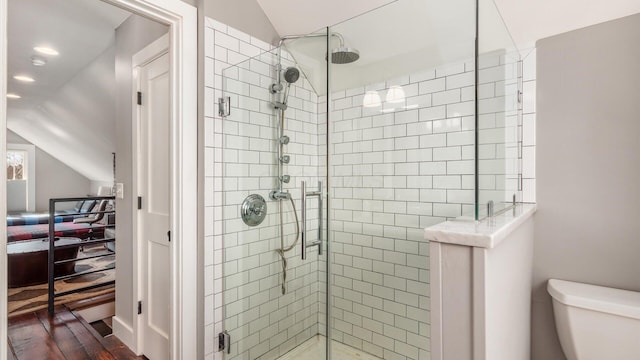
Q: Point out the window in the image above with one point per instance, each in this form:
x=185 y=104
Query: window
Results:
x=17 y=165
x=21 y=177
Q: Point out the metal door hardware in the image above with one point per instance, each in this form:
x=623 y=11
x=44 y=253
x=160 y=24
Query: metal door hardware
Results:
x=224 y=106
x=224 y=342
x=303 y=223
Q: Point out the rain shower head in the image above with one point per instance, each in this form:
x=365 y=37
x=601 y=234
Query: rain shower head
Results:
x=344 y=55
x=291 y=75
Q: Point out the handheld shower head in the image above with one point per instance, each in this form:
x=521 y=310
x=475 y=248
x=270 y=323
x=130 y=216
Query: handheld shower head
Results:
x=291 y=75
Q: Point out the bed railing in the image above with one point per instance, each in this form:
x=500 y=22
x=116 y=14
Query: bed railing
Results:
x=92 y=240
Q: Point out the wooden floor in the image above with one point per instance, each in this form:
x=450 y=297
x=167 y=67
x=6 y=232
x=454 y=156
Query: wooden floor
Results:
x=64 y=336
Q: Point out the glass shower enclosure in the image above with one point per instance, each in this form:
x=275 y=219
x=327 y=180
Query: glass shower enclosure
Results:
x=338 y=149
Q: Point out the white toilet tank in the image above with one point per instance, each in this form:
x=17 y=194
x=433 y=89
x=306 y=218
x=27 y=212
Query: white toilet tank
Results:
x=595 y=322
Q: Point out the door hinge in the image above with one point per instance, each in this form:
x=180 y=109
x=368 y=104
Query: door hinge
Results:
x=139 y=307
x=139 y=202
x=139 y=98
x=520 y=182
x=224 y=106
x=224 y=342
x=519 y=95
x=169 y=235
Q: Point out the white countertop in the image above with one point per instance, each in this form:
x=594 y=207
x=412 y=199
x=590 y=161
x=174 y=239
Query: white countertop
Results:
x=487 y=233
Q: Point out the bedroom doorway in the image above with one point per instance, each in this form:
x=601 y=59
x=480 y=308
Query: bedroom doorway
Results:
x=182 y=272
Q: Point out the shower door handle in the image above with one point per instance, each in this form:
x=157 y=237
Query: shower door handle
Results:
x=303 y=223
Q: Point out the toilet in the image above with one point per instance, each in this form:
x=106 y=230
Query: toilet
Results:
x=595 y=322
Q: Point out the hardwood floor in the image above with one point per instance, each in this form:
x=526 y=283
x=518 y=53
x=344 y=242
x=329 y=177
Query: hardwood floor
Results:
x=62 y=336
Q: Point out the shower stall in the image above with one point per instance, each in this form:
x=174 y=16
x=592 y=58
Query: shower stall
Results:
x=335 y=150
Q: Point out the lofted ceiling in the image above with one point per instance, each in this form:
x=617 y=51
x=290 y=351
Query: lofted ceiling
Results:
x=79 y=29
x=69 y=111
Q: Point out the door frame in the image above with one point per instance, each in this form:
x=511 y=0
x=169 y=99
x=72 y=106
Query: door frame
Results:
x=142 y=58
x=183 y=23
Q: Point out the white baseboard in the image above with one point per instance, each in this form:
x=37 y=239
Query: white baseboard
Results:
x=124 y=332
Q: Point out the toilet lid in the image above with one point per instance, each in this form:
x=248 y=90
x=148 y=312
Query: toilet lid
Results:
x=598 y=298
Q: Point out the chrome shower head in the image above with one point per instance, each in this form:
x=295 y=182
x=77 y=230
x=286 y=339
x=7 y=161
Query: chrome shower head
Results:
x=344 y=55
x=291 y=74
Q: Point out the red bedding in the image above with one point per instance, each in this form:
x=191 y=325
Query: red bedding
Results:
x=68 y=229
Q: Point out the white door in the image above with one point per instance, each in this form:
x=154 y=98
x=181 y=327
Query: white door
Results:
x=153 y=220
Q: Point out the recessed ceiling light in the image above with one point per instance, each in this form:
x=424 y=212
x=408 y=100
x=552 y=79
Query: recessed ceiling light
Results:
x=38 y=60
x=13 y=96
x=24 y=78
x=46 y=50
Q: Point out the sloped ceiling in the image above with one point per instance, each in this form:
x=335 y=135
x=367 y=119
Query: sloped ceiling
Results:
x=403 y=37
x=527 y=20
x=295 y=17
x=69 y=110
x=406 y=35
x=532 y=20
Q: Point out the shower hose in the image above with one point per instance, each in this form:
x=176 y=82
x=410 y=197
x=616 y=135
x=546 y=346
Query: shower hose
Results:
x=282 y=250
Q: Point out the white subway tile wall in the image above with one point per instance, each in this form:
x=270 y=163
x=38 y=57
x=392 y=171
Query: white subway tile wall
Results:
x=396 y=169
x=393 y=173
x=261 y=320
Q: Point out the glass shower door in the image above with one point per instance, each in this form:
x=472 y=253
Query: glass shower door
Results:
x=269 y=144
x=402 y=157
x=410 y=126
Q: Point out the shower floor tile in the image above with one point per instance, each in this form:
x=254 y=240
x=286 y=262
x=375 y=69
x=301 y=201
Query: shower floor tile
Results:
x=314 y=349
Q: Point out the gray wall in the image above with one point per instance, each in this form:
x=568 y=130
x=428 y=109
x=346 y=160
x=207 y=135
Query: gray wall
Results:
x=588 y=166
x=53 y=178
x=244 y=15
x=132 y=36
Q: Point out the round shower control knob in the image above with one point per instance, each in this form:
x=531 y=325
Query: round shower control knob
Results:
x=253 y=210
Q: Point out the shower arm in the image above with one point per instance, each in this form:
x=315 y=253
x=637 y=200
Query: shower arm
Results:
x=292 y=37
